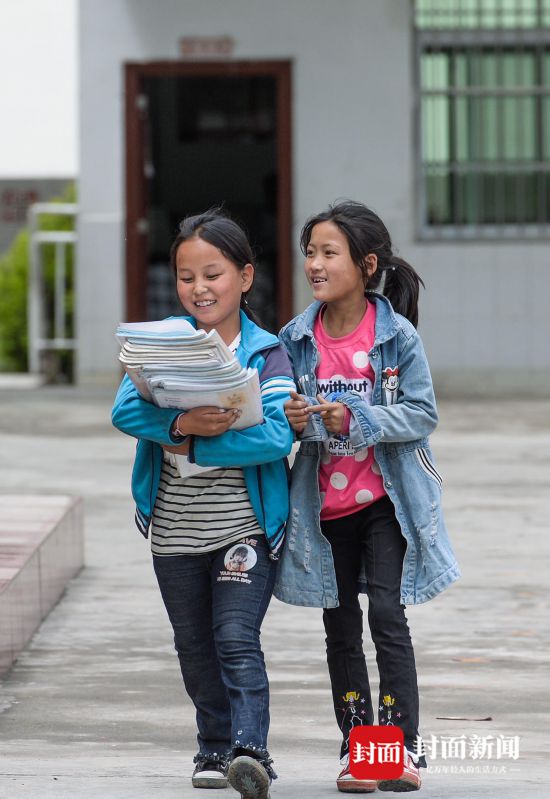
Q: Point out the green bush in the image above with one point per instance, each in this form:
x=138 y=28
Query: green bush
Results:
x=14 y=271
x=14 y=267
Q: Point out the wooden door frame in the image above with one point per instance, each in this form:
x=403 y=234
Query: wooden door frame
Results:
x=136 y=201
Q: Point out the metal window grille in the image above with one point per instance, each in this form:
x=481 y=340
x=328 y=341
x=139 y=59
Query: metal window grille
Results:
x=483 y=123
x=48 y=328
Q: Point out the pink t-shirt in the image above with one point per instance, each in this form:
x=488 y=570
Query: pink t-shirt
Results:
x=347 y=481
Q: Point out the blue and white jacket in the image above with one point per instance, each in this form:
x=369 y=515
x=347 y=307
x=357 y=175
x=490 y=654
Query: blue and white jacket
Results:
x=397 y=424
x=260 y=450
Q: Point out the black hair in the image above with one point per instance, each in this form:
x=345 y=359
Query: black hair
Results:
x=366 y=233
x=218 y=229
x=241 y=552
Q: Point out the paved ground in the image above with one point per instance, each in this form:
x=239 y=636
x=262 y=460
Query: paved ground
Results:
x=94 y=707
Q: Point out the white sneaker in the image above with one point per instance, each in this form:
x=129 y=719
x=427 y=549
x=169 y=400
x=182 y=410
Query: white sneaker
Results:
x=347 y=783
x=209 y=773
x=410 y=780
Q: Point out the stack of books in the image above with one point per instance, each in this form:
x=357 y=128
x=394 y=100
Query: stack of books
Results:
x=174 y=365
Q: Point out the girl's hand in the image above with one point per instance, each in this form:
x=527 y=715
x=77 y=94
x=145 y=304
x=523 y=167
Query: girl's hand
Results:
x=206 y=421
x=295 y=410
x=332 y=414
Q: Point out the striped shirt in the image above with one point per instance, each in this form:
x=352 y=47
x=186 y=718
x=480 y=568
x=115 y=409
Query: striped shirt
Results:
x=201 y=512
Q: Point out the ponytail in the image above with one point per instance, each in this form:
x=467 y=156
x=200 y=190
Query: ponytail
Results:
x=366 y=234
x=400 y=283
x=252 y=315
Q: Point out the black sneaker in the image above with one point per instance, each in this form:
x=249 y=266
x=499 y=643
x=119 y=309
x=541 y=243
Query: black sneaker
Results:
x=210 y=772
x=249 y=777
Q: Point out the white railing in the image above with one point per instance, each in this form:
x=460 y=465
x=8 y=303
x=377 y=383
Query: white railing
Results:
x=36 y=313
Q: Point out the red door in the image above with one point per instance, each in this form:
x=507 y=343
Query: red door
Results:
x=203 y=134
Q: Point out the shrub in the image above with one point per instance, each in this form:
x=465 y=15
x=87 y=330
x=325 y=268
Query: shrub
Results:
x=14 y=271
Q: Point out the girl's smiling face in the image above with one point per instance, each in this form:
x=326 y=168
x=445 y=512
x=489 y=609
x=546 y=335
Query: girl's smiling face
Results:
x=329 y=268
x=210 y=286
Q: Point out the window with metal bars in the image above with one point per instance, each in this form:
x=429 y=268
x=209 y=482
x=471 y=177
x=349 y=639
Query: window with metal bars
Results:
x=483 y=70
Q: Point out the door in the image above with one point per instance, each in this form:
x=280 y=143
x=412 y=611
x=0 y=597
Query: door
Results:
x=200 y=135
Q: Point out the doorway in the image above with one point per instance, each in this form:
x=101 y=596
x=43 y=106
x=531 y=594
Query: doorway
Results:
x=200 y=135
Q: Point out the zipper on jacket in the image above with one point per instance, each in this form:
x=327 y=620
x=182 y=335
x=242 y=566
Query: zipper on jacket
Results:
x=151 y=507
x=272 y=555
x=260 y=490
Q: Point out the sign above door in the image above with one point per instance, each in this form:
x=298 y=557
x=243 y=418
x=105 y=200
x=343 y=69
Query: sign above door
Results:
x=196 y=48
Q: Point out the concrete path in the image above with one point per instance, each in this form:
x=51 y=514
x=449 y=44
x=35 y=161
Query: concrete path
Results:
x=94 y=707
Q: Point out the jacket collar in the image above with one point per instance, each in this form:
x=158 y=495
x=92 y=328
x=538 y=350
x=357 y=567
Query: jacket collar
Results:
x=255 y=339
x=387 y=323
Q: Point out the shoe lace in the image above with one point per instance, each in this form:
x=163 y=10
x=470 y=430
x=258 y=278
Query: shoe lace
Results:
x=413 y=756
x=204 y=760
x=269 y=768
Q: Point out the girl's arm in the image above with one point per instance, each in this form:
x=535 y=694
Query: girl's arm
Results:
x=307 y=426
x=137 y=417
x=414 y=415
x=261 y=443
x=141 y=419
x=313 y=429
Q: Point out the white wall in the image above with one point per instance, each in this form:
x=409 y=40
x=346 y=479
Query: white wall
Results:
x=483 y=317
x=38 y=88
x=107 y=38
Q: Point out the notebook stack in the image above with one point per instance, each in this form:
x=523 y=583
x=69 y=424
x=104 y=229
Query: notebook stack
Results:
x=174 y=365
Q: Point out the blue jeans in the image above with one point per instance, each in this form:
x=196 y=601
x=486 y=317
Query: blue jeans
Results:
x=216 y=602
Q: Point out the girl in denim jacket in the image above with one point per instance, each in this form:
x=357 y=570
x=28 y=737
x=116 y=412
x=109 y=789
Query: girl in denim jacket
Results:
x=365 y=503
x=217 y=518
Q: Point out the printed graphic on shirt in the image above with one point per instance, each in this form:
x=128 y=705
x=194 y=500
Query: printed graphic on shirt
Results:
x=239 y=560
x=339 y=445
x=338 y=385
x=390 y=384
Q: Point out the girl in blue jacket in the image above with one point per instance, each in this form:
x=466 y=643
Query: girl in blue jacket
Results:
x=217 y=523
x=365 y=499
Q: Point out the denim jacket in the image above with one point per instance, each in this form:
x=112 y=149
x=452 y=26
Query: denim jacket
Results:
x=397 y=424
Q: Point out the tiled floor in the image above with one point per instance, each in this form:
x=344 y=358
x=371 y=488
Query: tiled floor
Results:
x=41 y=549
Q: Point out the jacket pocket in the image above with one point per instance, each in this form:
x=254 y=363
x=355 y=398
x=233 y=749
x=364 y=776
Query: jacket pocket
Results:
x=427 y=466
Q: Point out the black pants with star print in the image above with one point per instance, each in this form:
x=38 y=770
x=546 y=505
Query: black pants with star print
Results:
x=373 y=533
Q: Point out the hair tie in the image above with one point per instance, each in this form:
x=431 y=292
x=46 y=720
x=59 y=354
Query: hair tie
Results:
x=381 y=283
